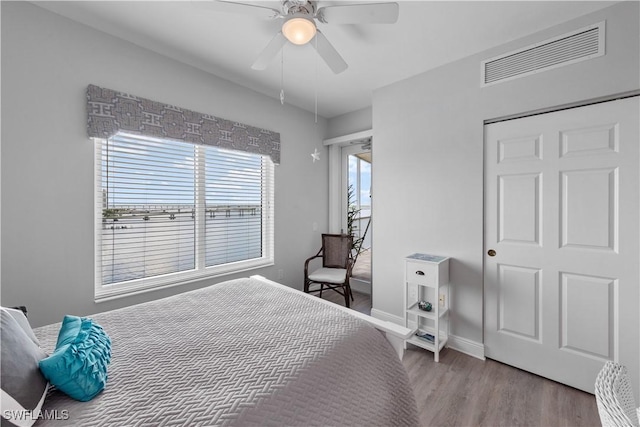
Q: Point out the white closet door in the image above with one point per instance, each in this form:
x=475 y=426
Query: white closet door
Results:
x=562 y=223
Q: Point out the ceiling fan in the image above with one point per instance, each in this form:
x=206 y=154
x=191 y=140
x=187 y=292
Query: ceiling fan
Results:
x=300 y=27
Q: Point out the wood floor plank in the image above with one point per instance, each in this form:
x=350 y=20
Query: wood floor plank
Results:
x=464 y=391
x=461 y=390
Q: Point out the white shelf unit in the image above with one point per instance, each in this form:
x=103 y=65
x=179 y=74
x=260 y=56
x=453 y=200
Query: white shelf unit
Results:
x=426 y=278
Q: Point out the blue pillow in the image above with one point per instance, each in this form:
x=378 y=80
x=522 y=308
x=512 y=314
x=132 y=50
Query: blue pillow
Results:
x=78 y=366
x=69 y=330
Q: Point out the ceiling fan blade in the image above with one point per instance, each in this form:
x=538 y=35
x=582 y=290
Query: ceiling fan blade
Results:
x=269 y=52
x=371 y=13
x=329 y=53
x=235 y=7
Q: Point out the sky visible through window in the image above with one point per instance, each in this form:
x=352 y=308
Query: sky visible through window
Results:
x=362 y=186
x=359 y=177
x=149 y=206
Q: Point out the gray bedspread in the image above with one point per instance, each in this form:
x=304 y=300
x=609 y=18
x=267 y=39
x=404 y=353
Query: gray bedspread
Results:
x=242 y=352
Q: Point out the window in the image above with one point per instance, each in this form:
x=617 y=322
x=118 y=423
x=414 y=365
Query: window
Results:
x=359 y=197
x=171 y=212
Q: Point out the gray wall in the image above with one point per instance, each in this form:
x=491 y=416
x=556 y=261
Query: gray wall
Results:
x=349 y=123
x=428 y=151
x=47 y=160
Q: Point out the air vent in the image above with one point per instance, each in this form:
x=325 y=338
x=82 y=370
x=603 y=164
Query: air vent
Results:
x=576 y=46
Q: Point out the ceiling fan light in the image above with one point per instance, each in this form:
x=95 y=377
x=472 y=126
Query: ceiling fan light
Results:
x=299 y=30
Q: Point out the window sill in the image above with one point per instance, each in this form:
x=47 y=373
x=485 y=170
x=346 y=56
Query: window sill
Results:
x=141 y=286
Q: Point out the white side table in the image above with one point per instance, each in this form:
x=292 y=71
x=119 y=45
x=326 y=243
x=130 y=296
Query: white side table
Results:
x=426 y=279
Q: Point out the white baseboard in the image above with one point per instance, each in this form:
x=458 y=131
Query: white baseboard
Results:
x=463 y=345
x=383 y=315
x=466 y=346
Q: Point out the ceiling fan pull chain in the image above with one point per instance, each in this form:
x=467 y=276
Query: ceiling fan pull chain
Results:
x=316 y=83
x=282 y=76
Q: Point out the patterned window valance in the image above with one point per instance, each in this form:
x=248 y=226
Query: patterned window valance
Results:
x=111 y=111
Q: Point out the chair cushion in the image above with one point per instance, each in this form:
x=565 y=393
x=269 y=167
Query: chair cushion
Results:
x=329 y=275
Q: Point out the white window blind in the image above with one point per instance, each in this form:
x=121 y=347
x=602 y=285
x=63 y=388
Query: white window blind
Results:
x=171 y=212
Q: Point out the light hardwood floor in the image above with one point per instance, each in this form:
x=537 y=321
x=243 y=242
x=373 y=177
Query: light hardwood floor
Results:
x=461 y=390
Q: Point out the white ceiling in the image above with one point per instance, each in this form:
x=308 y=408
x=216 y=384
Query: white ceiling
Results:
x=427 y=35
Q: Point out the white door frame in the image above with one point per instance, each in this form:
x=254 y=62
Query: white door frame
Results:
x=338 y=182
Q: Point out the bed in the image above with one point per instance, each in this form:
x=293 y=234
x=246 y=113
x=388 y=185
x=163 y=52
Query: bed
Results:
x=242 y=352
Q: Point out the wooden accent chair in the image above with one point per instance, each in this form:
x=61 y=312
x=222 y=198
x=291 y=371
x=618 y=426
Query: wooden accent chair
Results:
x=335 y=272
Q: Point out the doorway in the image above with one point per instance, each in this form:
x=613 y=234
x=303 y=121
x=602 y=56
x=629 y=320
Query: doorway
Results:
x=561 y=234
x=350 y=166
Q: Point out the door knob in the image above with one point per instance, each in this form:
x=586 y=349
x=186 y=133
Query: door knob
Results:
x=491 y=252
